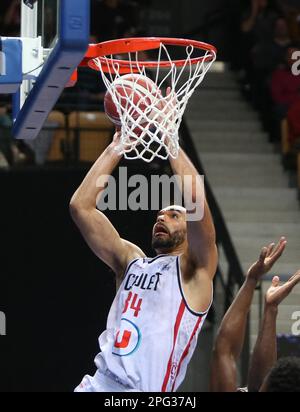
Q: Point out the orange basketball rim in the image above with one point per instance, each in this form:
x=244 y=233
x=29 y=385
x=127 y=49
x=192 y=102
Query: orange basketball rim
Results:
x=155 y=133
x=138 y=44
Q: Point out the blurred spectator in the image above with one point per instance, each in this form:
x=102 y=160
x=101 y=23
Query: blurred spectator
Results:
x=112 y=19
x=11 y=152
x=285 y=90
x=257 y=28
x=285 y=86
x=292 y=12
x=258 y=21
x=10 y=17
x=293 y=117
x=270 y=53
x=41 y=145
x=266 y=57
x=6 y=155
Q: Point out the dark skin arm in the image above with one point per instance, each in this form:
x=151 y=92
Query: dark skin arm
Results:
x=265 y=351
x=231 y=334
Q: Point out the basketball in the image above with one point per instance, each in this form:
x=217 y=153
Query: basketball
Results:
x=133 y=93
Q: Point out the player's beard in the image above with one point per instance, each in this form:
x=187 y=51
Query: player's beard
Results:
x=168 y=242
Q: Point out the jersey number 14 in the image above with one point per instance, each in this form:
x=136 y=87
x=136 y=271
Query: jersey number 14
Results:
x=134 y=303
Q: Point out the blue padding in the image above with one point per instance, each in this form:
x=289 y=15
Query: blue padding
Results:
x=11 y=77
x=74 y=32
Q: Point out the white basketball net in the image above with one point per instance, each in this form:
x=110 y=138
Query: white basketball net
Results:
x=154 y=133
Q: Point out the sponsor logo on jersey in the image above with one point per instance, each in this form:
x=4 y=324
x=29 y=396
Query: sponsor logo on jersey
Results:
x=127 y=340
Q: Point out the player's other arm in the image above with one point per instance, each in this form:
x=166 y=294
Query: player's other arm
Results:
x=265 y=351
x=202 y=249
x=231 y=334
x=99 y=233
x=230 y=339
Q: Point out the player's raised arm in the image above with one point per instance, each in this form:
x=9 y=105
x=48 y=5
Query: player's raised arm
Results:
x=97 y=230
x=265 y=351
x=231 y=333
x=201 y=237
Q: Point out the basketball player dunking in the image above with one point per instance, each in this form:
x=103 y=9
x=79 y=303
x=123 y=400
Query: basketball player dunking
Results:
x=161 y=302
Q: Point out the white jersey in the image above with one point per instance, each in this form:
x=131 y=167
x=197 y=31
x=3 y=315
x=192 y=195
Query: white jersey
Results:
x=151 y=332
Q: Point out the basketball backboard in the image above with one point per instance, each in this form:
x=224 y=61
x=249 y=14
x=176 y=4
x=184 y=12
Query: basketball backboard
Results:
x=55 y=37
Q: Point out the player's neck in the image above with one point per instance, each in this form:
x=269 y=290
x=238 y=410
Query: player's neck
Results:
x=179 y=250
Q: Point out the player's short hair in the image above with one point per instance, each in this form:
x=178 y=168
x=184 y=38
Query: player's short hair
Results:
x=284 y=376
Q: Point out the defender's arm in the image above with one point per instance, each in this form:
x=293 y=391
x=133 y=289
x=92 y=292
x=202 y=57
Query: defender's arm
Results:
x=231 y=334
x=265 y=351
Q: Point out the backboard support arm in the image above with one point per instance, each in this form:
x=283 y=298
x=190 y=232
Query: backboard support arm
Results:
x=70 y=48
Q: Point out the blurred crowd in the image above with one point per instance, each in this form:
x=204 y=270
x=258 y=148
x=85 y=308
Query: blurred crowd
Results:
x=270 y=38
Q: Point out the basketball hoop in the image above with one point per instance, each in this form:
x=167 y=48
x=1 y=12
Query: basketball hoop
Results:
x=157 y=134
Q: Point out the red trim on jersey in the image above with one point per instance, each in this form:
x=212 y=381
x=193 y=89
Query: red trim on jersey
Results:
x=186 y=351
x=176 y=329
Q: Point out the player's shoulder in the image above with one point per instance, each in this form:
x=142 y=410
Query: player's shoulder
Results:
x=133 y=251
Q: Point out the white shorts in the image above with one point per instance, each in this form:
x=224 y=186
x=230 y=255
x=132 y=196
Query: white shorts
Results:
x=102 y=382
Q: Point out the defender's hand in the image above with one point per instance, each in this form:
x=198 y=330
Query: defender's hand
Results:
x=276 y=293
x=268 y=256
